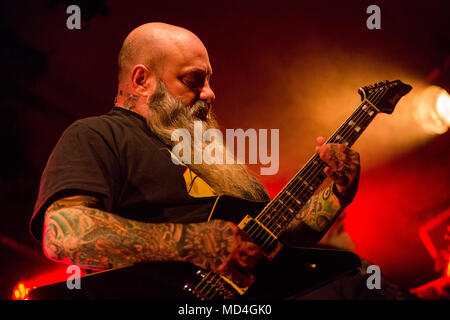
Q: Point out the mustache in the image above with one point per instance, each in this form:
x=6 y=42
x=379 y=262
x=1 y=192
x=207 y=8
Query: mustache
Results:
x=171 y=109
x=201 y=110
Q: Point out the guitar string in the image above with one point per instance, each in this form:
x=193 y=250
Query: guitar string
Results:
x=309 y=180
x=305 y=179
x=361 y=118
x=352 y=132
x=205 y=278
x=215 y=277
x=308 y=174
x=347 y=132
x=305 y=170
x=206 y=283
x=214 y=292
x=362 y=114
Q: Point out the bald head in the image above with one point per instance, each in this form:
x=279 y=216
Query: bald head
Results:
x=156 y=52
x=151 y=43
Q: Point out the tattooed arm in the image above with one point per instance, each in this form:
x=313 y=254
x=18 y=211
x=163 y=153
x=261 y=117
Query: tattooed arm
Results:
x=318 y=214
x=77 y=231
x=314 y=219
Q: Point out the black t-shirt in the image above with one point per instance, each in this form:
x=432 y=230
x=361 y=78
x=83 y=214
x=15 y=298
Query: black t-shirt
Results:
x=117 y=158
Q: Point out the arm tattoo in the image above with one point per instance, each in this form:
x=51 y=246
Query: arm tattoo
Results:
x=87 y=201
x=314 y=219
x=91 y=238
x=96 y=239
x=333 y=156
x=212 y=241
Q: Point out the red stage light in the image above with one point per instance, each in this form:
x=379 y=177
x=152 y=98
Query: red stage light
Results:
x=21 y=291
x=447 y=273
x=23 y=288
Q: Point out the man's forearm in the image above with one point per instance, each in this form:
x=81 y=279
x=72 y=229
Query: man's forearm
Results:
x=96 y=239
x=314 y=219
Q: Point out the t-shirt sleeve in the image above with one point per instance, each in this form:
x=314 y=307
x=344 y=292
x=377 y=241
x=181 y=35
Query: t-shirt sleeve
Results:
x=82 y=162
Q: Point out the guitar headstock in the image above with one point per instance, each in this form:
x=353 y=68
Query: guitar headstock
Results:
x=384 y=95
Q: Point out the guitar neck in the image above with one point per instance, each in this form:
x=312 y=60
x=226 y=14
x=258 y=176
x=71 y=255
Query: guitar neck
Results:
x=279 y=213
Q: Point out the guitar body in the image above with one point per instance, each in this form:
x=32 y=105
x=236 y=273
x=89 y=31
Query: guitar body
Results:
x=292 y=271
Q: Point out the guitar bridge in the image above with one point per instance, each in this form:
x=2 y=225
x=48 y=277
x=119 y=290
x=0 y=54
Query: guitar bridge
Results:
x=213 y=286
x=238 y=288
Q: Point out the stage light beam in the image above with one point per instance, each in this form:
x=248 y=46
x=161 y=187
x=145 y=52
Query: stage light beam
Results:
x=443 y=107
x=432 y=110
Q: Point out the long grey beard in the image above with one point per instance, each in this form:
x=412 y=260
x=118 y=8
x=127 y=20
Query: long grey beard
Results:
x=167 y=114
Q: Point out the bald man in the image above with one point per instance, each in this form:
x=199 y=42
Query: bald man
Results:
x=110 y=195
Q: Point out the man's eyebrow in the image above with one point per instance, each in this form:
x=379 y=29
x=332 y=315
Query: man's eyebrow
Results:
x=200 y=72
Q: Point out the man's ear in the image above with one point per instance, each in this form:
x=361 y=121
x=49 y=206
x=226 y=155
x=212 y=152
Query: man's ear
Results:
x=143 y=80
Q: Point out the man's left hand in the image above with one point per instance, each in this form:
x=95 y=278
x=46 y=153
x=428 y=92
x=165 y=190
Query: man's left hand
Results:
x=343 y=166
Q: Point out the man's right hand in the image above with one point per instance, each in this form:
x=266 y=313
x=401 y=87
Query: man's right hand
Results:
x=220 y=246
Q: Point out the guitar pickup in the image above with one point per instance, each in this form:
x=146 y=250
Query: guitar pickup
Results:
x=261 y=236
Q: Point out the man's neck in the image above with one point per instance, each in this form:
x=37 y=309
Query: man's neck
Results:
x=131 y=102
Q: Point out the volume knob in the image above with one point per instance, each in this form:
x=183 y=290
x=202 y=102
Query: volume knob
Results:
x=188 y=287
x=201 y=273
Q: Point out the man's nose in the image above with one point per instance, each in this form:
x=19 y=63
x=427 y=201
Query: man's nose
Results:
x=207 y=93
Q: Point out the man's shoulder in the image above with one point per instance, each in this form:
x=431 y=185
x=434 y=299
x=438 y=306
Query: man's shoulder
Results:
x=106 y=123
x=116 y=125
x=108 y=119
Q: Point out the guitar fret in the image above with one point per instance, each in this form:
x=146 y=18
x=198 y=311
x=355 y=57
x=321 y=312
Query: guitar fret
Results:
x=357 y=122
x=281 y=210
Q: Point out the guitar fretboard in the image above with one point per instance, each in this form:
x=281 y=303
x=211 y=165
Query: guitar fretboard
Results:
x=278 y=214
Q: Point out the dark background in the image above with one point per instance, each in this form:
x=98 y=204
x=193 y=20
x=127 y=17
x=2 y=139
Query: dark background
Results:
x=292 y=65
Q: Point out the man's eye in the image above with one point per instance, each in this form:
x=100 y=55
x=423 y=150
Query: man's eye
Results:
x=193 y=83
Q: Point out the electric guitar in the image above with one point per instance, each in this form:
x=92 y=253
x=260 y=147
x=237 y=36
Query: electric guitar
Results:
x=287 y=271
